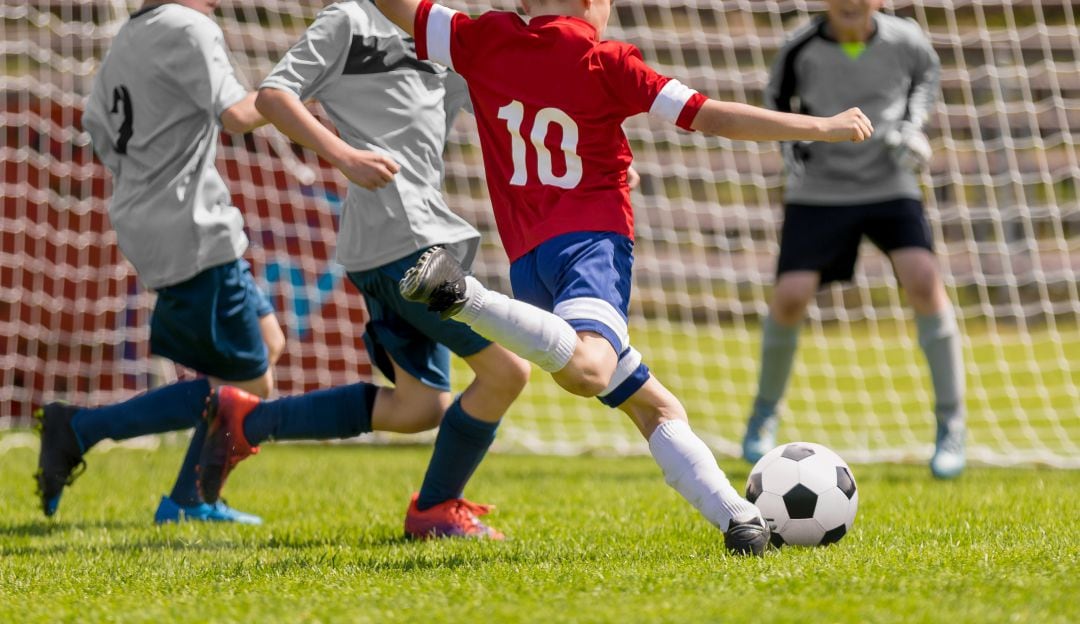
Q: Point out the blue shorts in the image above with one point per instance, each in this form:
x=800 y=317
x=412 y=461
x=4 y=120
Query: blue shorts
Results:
x=418 y=340
x=584 y=278
x=210 y=323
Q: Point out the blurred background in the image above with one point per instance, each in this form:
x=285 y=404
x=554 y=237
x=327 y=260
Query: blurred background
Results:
x=1001 y=194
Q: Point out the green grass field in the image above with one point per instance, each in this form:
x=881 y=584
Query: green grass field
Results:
x=592 y=540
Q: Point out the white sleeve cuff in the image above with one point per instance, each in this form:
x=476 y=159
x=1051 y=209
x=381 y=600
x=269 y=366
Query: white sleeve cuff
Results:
x=438 y=34
x=669 y=103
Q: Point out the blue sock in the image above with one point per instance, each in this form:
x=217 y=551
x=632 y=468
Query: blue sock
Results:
x=184 y=492
x=170 y=408
x=341 y=412
x=460 y=446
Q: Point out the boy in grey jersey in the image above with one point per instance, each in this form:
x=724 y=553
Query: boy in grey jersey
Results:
x=158 y=104
x=837 y=192
x=392 y=113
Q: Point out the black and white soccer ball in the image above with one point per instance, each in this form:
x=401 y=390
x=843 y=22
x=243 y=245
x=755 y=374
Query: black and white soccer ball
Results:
x=806 y=491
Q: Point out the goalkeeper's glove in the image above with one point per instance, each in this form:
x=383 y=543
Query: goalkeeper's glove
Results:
x=909 y=147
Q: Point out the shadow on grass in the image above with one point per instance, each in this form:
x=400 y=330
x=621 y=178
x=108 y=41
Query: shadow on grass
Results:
x=37 y=528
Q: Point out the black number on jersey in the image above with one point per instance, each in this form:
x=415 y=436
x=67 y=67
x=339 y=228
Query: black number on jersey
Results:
x=121 y=96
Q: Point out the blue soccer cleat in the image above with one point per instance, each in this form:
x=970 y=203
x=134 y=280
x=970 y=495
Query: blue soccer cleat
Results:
x=60 y=460
x=760 y=436
x=949 y=459
x=168 y=511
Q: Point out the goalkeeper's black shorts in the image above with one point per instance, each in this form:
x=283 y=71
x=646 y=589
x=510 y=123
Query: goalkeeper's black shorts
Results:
x=826 y=238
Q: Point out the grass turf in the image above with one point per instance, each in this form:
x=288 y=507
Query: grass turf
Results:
x=593 y=540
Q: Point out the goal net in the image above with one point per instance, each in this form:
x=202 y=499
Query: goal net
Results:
x=1002 y=197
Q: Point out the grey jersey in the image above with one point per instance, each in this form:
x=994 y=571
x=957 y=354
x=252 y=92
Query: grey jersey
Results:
x=894 y=80
x=364 y=72
x=154 y=118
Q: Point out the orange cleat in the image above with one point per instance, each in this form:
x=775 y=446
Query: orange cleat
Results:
x=225 y=444
x=456 y=517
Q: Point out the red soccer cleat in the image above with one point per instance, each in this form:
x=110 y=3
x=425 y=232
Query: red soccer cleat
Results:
x=225 y=444
x=456 y=517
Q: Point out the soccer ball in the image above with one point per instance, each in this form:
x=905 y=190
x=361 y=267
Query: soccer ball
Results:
x=806 y=491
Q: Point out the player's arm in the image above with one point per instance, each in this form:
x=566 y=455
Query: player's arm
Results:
x=367 y=169
x=242 y=117
x=401 y=12
x=752 y=123
x=908 y=143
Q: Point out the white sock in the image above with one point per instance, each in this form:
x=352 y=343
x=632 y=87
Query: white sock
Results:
x=690 y=468
x=536 y=335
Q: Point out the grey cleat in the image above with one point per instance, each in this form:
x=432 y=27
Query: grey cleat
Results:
x=437 y=280
x=949 y=458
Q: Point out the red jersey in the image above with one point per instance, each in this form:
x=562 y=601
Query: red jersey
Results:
x=550 y=99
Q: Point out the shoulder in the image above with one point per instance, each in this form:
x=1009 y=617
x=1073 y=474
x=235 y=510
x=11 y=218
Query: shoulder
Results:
x=182 y=26
x=612 y=54
x=349 y=12
x=802 y=35
x=901 y=30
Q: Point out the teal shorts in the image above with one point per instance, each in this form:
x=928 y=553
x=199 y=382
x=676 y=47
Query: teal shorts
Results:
x=418 y=340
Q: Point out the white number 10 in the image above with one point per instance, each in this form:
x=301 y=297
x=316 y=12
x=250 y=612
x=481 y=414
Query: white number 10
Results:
x=514 y=114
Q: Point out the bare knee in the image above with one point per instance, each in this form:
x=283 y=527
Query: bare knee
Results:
x=508 y=378
x=588 y=372
x=792 y=296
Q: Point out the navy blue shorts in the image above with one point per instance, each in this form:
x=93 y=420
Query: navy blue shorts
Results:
x=418 y=340
x=826 y=238
x=210 y=323
x=584 y=278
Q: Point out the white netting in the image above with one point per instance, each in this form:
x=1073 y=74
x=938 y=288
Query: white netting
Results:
x=1002 y=196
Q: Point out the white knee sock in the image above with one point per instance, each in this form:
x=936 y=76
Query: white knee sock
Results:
x=690 y=468
x=536 y=335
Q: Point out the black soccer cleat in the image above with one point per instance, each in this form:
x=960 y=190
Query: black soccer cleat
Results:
x=750 y=537
x=60 y=460
x=437 y=280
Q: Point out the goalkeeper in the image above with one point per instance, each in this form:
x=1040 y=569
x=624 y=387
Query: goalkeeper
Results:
x=392 y=113
x=836 y=193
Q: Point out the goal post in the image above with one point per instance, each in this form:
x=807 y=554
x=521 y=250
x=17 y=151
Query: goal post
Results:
x=1001 y=194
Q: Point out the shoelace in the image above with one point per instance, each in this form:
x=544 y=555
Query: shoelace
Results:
x=469 y=511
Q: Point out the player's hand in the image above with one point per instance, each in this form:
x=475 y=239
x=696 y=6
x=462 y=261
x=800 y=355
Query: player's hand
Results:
x=633 y=179
x=369 y=170
x=909 y=147
x=850 y=125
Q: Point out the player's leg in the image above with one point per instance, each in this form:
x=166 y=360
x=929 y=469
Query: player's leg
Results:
x=233 y=337
x=818 y=244
x=690 y=468
x=573 y=340
x=418 y=343
x=179 y=329
x=939 y=338
x=779 y=341
x=467 y=431
x=900 y=229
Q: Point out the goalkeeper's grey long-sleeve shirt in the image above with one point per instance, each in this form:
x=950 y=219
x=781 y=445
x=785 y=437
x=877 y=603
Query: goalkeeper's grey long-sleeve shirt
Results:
x=894 y=81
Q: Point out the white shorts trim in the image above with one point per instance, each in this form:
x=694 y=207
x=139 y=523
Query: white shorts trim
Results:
x=595 y=309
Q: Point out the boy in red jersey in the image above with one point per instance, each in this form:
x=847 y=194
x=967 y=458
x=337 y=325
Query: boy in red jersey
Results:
x=549 y=98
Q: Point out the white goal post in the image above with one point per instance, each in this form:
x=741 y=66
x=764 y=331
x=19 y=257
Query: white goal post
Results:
x=1002 y=196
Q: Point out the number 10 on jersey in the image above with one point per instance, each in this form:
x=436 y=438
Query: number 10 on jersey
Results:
x=514 y=114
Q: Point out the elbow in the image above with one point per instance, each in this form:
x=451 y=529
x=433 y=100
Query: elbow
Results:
x=239 y=123
x=264 y=101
